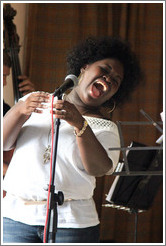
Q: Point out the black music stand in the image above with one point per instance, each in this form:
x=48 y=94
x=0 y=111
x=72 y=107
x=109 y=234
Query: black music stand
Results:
x=138 y=191
x=135 y=194
x=138 y=177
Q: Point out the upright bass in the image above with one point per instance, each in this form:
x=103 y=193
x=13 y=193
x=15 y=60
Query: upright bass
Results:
x=12 y=47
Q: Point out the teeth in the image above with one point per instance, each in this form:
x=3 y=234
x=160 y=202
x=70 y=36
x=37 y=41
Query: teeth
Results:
x=104 y=86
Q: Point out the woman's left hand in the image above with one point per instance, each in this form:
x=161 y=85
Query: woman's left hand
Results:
x=67 y=111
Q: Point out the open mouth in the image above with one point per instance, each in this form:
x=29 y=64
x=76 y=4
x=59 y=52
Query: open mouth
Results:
x=98 y=88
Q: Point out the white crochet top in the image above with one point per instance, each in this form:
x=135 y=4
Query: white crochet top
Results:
x=28 y=176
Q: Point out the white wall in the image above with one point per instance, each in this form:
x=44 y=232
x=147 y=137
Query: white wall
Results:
x=20 y=22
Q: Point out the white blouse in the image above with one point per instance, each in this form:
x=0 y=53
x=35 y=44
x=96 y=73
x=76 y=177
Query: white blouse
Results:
x=28 y=175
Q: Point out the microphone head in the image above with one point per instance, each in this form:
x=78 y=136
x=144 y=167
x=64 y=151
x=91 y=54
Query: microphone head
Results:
x=73 y=78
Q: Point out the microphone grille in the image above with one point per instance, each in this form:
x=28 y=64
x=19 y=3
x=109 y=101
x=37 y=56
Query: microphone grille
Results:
x=73 y=78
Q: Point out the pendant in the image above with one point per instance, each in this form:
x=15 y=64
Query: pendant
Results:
x=47 y=154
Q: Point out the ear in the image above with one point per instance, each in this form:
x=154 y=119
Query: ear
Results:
x=84 y=68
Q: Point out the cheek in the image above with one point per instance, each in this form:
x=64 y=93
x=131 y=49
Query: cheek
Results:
x=114 y=88
x=111 y=93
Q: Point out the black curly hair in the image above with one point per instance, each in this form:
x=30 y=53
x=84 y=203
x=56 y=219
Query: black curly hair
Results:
x=94 y=49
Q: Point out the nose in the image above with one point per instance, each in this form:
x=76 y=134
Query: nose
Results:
x=107 y=78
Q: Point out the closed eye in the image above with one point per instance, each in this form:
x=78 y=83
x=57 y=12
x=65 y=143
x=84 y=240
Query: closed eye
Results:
x=114 y=82
x=105 y=70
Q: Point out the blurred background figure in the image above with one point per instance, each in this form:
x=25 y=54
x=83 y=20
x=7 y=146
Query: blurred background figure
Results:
x=25 y=87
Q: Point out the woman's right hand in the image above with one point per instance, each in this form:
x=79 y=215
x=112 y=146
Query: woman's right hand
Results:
x=35 y=102
x=19 y=113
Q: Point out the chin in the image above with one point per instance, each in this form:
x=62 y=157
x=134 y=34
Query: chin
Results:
x=93 y=103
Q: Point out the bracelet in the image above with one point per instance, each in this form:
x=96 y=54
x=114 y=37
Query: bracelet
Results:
x=79 y=134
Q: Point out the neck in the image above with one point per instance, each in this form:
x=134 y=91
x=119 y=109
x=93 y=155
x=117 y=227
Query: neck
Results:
x=84 y=109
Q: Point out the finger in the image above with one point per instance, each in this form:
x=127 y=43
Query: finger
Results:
x=37 y=105
x=35 y=110
x=26 y=89
x=61 y=114
x=59 y=106
x=23 y=77
x=40 y=97
x=59 y=101
x=38 y=111
x=26 y=85
x=25 y=82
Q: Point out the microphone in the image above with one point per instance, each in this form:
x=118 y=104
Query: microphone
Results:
x=70 y=81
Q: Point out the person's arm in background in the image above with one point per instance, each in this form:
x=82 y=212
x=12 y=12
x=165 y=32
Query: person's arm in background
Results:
x=26 y=86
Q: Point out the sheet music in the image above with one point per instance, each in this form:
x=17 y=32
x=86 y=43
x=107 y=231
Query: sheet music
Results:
x=118 y=169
